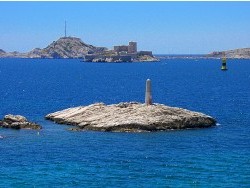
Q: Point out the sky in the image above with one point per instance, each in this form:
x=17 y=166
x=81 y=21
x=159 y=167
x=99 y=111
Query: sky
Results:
x=163 y=27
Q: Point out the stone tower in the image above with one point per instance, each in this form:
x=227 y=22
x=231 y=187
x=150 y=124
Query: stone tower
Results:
x=132 y=47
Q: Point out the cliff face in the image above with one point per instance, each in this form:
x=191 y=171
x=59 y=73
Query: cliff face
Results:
x=65 y=47
x=242 y=53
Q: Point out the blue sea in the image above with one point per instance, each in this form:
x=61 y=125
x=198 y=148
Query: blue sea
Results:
x=56 y=157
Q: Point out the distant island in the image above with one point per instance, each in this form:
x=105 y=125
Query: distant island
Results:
x=73 y=47
x=241 y=53
x=122 y=53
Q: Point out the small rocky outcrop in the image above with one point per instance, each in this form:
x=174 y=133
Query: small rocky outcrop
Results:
x=146 y=58
x=17 y=122
x=131 y=117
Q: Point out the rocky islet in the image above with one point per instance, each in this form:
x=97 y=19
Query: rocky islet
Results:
x=17 y=122
x=131 y=117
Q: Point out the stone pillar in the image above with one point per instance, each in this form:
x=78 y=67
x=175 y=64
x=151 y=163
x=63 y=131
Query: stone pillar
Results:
x=148 y=94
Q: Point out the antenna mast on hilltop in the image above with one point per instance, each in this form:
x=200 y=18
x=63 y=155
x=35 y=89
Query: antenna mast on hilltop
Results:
x=65 y=29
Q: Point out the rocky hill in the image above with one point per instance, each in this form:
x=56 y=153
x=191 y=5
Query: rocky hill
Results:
x=242 y=53
x=65 y=47
x=2 y=52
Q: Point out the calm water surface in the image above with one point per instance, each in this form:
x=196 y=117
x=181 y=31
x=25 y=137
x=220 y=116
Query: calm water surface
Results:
x=213 y=157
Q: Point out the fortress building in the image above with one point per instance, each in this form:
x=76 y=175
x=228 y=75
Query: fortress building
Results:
x=131 y=48
x=122 y=53
x=122 y=48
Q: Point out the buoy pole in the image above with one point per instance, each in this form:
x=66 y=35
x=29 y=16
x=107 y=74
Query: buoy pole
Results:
x=148 y=94
x=224 y=63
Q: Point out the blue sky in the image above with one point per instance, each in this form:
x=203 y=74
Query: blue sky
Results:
x=163 y=27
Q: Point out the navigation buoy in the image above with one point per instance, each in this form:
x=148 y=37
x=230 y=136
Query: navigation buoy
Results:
x=224 y=63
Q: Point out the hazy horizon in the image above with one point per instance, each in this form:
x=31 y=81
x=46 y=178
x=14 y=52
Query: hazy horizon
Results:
x=162 y=27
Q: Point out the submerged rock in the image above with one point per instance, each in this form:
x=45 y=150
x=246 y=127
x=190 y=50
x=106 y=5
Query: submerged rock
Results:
x=74 y=129
x=17 y=122
x=131 y=117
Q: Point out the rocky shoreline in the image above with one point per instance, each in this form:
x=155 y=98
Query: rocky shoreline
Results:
x=138 y=59
x=130 y=117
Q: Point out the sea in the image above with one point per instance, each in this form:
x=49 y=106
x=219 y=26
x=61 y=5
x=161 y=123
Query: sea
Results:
x=56 y=157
